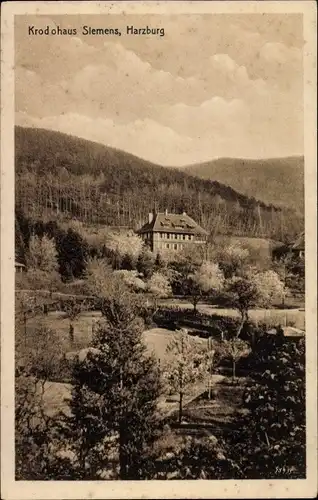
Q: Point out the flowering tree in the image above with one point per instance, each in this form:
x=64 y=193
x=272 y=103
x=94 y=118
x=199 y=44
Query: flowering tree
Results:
x=159 y=286
x=253 y=290
x=234 y=349
x=43 y=253
x=98 y=274
x=207 y=278
x=128 y=246
x=132 y=279
x=232 y=260
x=269 y=287
x=186 y=365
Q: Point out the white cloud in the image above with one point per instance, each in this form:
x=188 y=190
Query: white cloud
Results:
x=211 y=117
x=239 y=94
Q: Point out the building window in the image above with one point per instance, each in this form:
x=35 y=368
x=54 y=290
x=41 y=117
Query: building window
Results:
x=168 y=236
x=184 y=236
x=175 y=246
x=176 y=236
x=167 y=245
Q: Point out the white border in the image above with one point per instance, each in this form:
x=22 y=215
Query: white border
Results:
x=43 y=490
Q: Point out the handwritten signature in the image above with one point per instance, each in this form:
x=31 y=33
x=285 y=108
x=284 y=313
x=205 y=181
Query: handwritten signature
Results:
x=282 y=469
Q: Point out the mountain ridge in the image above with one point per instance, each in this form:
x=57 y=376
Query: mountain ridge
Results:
x=282 y=177
x=86 y=179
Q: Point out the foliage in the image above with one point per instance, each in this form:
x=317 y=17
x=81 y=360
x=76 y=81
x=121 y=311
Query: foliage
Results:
x=187 y=364
x=146 y=263
x=234 y=349
x=39 y=352
x=207 y=278
x=20 y=250
x=35 y=279
x=252 y=290
x=96 y=184
x=125 y=246
x=132 y=279
x=204 y=458
x=114 y=416
x=272 y=443
x=242 y=295
x=121 y=308
x=98 y=273
x=43 y=254
x=269 y=287
x=71 y=248
x=37 y=360
x=32 y=437
x=232 y=260
x=159 y=285
x=72 y=254
x=178 y=272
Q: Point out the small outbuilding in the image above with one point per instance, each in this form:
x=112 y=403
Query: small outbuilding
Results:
x=19 y=268
x=298 y=247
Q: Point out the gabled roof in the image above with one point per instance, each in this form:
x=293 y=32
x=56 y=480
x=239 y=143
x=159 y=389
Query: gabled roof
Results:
x=299 y=244
x=172 y=223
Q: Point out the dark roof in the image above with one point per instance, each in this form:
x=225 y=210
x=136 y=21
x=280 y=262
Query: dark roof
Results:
x=299 y=244
x=172 y=223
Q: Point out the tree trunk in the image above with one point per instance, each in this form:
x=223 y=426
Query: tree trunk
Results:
x=71 y=333
x=25 y=328
x=241 y=325
x=122 y=453
x=233 y=373
x=180 y=406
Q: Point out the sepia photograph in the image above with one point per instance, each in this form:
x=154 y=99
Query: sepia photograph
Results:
x=157 y=254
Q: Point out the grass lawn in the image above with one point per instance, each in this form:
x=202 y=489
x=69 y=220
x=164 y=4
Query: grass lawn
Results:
x=157 y=340
x=83 y=327
x=224 y=405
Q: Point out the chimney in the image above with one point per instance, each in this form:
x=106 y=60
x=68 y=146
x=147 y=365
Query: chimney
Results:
x=184 y=213
x=166 y=211
x=150 y=217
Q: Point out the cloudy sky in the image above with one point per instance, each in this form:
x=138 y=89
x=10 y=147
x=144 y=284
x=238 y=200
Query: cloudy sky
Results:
x=214 y=85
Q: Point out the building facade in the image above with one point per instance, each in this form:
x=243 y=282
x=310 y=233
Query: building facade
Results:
x=165 y=232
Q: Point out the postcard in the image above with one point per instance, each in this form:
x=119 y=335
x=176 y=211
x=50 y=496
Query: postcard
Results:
x=158 y=250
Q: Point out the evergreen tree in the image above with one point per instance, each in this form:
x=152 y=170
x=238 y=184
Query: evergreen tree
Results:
x=116 y=387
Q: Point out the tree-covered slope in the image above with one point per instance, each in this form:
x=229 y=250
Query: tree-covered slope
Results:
x=279 y=181
x=71 y=177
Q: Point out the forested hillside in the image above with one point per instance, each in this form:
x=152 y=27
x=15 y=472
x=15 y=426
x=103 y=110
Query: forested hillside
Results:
x=62 y=177
x=279 y=181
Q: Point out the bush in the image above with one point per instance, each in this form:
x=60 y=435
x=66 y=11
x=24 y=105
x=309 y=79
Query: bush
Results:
x=272 y=441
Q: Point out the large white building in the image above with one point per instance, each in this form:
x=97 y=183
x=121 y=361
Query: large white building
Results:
x=164 y=231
